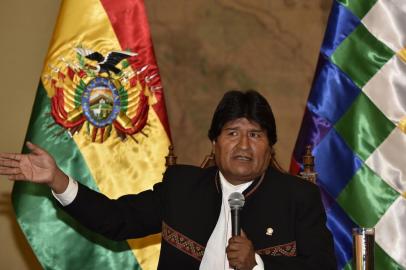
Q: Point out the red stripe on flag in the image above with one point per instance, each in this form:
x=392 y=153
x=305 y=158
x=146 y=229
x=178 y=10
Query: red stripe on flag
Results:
x=294 y=167
x=129 y=21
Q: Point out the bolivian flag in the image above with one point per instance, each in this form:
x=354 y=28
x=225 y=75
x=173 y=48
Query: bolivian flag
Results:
x=100 y=112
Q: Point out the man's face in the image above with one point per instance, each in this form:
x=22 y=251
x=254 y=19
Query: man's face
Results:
x=242 y=151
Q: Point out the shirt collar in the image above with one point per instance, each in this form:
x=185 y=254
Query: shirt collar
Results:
x=247 y=191
x=228 y=188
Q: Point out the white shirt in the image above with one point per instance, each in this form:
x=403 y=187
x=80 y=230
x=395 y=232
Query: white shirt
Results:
x=215 y=256
x=215 y=252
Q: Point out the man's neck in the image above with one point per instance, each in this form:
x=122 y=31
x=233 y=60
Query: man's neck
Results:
x=225 y=183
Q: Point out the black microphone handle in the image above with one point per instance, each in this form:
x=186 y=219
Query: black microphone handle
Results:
x=235 y=222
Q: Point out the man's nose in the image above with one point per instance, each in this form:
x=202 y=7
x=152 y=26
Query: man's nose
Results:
x=243 y=141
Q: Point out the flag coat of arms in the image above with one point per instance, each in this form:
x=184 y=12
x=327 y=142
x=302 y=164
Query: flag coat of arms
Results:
x=100 y=112
x=355 y=120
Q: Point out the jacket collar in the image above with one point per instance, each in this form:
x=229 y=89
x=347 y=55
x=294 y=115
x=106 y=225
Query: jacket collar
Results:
x=248 y=191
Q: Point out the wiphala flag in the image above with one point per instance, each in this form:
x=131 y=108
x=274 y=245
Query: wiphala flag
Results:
x=355 y=119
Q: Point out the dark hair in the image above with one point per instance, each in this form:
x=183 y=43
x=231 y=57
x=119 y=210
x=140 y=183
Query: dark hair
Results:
x=238 y=104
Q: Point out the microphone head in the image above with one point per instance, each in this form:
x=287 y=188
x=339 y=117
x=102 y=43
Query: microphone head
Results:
x=236 y=200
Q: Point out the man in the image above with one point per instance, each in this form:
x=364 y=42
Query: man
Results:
x=283 y=220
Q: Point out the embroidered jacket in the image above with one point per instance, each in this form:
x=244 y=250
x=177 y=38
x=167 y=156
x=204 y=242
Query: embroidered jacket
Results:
x=283 y=217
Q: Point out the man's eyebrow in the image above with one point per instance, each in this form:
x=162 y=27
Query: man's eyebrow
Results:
x=257 y=130
x=251 y=130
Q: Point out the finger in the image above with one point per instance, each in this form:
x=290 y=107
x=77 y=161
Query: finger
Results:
x=9 y=171
x=232 y=255
x=232 y=264
x=235 y=264
x=243 y=234
x=232 y=261
x=237 y=260
x=9 y=163
x=13 y=156
x=237 y=240
x=17 y=177
x=34 y=148
x=235 y=247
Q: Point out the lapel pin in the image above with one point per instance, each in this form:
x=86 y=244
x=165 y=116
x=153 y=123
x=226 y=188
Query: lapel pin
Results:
x=269 y=231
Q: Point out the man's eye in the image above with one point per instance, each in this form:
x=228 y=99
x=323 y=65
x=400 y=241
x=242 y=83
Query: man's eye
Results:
x=232 y=133
x=255 y=135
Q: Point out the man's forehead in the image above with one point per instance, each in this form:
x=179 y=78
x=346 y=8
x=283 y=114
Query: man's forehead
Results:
x=243 y=123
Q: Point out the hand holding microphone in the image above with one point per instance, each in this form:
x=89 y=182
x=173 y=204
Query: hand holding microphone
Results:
x=240 y=251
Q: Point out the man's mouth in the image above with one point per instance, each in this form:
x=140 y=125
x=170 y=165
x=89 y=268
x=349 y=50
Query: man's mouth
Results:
x=242 y=158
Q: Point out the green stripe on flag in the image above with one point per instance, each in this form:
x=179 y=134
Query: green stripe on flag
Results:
x=361 y=55
x=50 y=231
x=364 y=127
x=124 y=99
x=366 y=197
x=384 y=261
x=348 y=266
x=358 y=7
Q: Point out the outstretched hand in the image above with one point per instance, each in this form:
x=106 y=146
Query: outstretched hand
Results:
x=38 y=167
x=240 y=252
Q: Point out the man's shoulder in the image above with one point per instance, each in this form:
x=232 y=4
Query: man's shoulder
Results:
x=186 y=169
x=292 y=183
x=188 y=173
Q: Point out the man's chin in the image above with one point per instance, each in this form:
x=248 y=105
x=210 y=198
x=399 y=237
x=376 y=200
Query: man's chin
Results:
x=243 y=176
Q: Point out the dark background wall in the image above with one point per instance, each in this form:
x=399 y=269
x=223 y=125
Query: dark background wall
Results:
x=203 y=48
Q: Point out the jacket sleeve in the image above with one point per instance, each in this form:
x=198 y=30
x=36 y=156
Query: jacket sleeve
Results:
x=130 y=216
x=314 y=244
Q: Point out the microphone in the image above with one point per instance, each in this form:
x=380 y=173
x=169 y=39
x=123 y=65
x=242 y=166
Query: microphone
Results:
x=236 y=201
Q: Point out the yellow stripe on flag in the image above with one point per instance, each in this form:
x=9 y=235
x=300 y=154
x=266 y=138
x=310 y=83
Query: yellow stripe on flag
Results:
x=129 y=167
x=73 y=29
x=126 y=167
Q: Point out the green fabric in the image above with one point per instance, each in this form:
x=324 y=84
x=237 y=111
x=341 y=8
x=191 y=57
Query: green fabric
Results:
x=364 y=127
x=358 y=7
x=58 y=241
x=370 y=194
x=348 y=266
x=124 y=99
x=384 y=261
x=78 y=93
x=361 y=55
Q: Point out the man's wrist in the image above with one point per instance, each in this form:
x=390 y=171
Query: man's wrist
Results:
x=69 y=194
x=60 y=182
